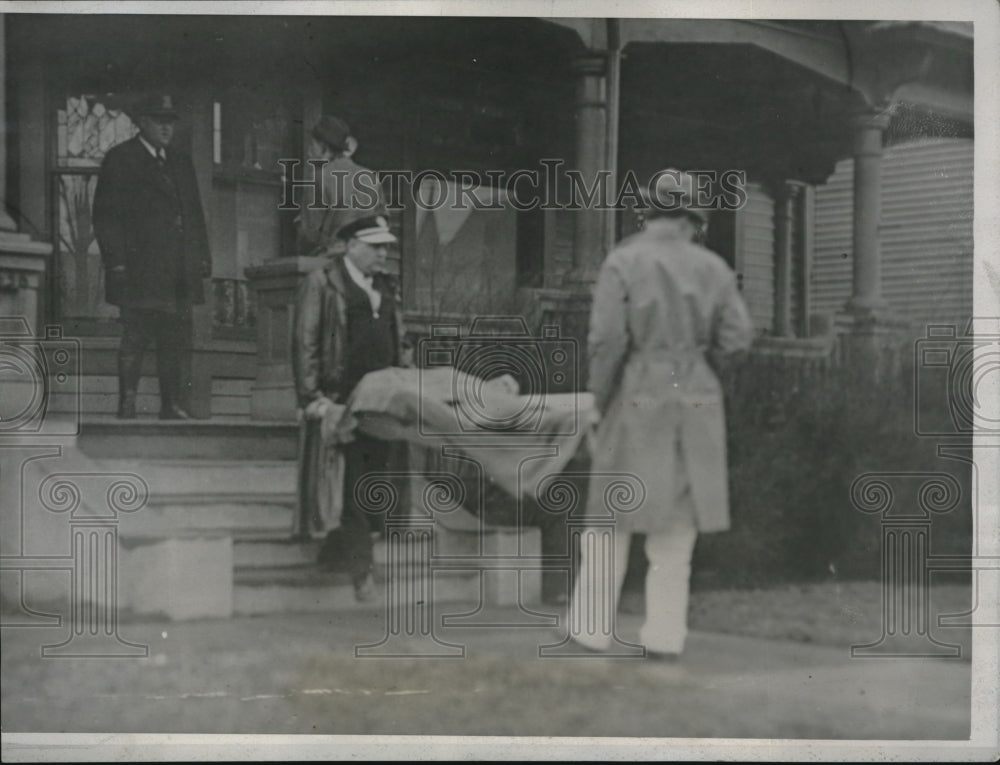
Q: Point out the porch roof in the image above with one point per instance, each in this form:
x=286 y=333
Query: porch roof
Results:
x=927 y=64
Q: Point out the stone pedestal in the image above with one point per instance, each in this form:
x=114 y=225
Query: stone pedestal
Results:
x=22 y=277
x=178 y=577
x=276 y=285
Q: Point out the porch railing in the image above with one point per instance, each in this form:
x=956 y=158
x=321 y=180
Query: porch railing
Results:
x=233 y=304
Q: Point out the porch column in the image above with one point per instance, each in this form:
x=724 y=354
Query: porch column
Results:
x=783 y=201
x=868 y=132
x=591 y=158
x=6 y=222
x=22 y=261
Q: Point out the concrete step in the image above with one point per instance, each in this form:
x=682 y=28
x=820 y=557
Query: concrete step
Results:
x=252 y=521
x=268 y=552
x=194 y=481
x=275 y=576
x=146 y=403
x=215 y=439
x=309 y=590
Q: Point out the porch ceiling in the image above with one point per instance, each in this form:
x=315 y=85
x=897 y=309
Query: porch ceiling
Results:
x=927 y=64
x=738 y=106
x=144 y=49
x=721 y=107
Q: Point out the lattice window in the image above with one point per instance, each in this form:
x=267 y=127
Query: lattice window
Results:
x=87 y=128
x=80 y=274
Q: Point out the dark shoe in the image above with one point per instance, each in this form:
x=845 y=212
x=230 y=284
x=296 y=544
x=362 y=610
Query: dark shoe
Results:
x=632 y=602
x=663 y=656
x=126 y=406
x=584 y=647
x=364 y=589
x=174 y=412
x=555 y=599
x=331 y=555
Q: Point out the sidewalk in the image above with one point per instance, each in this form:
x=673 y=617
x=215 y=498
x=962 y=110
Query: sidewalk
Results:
x=299 y=674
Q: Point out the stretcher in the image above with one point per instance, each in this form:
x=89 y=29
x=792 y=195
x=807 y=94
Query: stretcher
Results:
x=518 y=440
x=517 y=460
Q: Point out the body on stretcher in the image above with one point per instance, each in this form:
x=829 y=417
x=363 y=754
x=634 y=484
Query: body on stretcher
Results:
x=501 y=447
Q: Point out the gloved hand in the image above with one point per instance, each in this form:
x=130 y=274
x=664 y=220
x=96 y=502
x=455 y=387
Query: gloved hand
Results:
x=318 y=409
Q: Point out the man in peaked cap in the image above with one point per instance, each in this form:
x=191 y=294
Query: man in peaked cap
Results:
x=347 y=323
x=151 y=230
x=662 y=303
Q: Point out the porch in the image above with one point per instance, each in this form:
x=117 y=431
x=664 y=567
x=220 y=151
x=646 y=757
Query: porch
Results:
x=778 y=100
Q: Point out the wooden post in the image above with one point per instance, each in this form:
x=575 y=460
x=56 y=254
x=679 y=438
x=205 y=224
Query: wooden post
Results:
x=783 y=220
x=868 y=133
x=591 y=160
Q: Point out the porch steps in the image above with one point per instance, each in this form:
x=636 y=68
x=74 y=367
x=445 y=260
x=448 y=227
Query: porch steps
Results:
x=215 y=439
x=272 y=576
x=240 y=499
x=245 y=501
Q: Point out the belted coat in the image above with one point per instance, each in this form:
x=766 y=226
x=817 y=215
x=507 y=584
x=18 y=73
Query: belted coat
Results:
x=660 y=305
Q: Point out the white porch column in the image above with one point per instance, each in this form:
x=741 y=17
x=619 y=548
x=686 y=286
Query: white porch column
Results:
x=868 y=132
x=783 y=222
x=6 y=222
x=591 y=158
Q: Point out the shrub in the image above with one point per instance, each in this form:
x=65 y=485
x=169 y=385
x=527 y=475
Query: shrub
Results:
x=798 y=438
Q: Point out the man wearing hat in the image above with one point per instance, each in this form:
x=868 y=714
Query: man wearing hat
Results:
x=663 y=307
x=151 y=230
x=348 y=190
x=347 y=323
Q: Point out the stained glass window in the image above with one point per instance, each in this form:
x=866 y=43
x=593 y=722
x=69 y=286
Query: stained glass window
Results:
x=87 y=128
x=81 y=275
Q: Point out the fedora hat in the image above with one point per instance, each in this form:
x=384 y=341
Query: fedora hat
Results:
x=332 y=131
x=672 y=194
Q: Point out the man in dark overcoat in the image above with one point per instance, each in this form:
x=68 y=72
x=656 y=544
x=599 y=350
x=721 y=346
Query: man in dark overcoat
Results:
x=347 y=323
x=151 y=230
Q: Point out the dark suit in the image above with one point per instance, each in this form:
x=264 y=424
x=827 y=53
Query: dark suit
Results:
x=148 y=219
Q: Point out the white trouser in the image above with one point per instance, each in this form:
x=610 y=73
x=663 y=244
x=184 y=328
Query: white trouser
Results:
x=603 y=560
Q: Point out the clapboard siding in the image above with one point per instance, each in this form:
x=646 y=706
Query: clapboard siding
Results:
x=755 y=261
x=926 y=232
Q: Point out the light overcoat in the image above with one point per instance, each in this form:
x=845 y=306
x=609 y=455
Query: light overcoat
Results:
x=660 y=305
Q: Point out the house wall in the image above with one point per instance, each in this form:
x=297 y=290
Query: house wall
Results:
x=755 y=256
x=926 y=233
